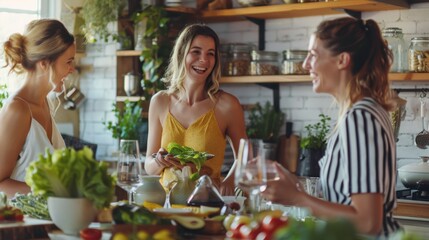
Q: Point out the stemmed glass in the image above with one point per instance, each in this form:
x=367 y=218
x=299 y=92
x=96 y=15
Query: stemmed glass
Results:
x=250 y=173
x=129 y=167
x=169 y=181
x=271 y=175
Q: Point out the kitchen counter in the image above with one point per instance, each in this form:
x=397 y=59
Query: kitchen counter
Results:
x=412 y=208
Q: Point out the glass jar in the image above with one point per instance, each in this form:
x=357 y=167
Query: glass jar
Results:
x=240 y=60
x=292 y=62
x=225 y=58
x=418 y=55
x=396 y=43
x=264 y=63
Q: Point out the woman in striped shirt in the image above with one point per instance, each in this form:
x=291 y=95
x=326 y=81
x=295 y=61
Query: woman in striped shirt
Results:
x=349 y=60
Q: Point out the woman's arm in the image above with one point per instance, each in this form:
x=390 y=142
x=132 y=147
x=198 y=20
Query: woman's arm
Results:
x=233 y=116
x=158 y=105
x=365 y=211
x=14 y=126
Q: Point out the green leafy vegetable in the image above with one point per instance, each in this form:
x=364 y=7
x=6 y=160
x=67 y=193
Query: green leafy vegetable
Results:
x=35 y=206
x=188 y=155
x=71 y=174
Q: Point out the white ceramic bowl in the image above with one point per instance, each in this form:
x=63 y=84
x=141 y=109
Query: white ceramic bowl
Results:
x=415 y=175
x=71 y=214
x=229 y=199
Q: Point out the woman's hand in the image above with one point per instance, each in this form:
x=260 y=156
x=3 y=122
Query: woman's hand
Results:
x=168 y=161
x=287 y=190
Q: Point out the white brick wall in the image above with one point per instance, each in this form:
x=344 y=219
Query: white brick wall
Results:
x=298 y=101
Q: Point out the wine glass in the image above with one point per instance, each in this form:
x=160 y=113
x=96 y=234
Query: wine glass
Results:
x=271 y=175
x=250 y=173
x=169 y=181
x=129 y=167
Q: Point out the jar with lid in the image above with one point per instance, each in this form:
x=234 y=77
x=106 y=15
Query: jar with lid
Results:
x=240 y=60
x=225 y=58
x=418 y=55
x=264 y=63
x=396 y=43
x=292 y=62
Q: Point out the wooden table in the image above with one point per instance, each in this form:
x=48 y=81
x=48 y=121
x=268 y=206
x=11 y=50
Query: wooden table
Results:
x=30 y=228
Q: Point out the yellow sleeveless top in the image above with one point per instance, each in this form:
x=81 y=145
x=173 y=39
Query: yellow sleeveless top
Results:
x=202 y=135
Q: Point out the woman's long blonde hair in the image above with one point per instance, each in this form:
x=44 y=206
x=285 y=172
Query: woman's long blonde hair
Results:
x=176 y=71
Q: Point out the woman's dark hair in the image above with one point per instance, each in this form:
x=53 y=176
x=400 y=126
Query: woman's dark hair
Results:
x=370 y=55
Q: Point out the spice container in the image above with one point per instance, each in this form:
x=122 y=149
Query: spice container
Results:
x=292 y=62
x=418 y=55
x=225 y=58
x=240 y=60
x=396 y=43
x=264 y=63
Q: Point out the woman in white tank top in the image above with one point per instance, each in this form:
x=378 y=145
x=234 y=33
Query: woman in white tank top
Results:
x=45 y=54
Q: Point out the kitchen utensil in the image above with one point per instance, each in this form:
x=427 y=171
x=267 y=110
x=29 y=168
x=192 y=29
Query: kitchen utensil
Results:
x=398 y=114
x=131 y=84
x=422 y=139
x=416 y=175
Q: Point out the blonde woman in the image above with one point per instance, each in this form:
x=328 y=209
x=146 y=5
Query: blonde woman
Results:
x=45 y=54
x=193 y=111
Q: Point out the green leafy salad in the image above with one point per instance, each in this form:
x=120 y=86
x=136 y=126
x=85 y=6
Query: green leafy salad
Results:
x=188 y=155
x=71 y=174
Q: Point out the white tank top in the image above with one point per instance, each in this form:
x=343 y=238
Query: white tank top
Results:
x=36 y=143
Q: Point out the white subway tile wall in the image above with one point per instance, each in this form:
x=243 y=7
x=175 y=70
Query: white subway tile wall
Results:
x=298 y=101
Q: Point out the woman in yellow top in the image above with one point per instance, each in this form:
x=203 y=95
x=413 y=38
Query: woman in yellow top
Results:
x=193 y=111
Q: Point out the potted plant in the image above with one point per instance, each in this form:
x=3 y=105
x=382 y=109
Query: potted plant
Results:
x=313 y=146
x=97 y=14
x=128 y=120
x=75 y=184
x=155 y=56
x=3 y=94
x=265 y=123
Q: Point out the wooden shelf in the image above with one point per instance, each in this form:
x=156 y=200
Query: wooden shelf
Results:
x=396 y=77
x=410 y=208
x=128 y=53
x=303 y=9
x=129 y=98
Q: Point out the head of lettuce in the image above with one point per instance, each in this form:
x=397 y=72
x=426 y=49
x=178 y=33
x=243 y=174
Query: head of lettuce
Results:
x=68 y=173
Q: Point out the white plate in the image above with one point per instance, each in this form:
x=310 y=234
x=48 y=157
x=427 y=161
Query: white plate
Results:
x=172 y=210
x=208 y=155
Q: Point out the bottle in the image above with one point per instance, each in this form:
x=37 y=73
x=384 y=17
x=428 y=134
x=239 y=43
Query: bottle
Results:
x=264 y=63
x=396 y=43
x=418 y=55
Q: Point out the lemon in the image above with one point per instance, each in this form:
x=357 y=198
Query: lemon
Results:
x=120 y=236
x=142 y=235
x=162 y=235
x=150 y=205
x=209 y=210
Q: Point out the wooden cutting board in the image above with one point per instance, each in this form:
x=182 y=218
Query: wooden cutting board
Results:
x=289 y=152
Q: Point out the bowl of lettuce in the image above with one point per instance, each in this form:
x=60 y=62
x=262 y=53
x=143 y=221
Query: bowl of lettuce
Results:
x=74 y=182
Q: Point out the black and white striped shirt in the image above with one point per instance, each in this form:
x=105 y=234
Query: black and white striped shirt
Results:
x=361 y=158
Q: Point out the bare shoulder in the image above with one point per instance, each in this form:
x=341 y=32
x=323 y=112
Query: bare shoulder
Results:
x=228 y=102
x=160 y=99
x=15 y=114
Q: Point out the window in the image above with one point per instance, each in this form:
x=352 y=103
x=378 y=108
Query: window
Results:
x=15 y=15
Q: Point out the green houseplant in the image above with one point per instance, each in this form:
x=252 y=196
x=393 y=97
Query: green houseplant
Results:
x=313 y=146
x=3 y=94
x=128 y=121
x=265 y=122
x=97 y=14
x=154 y=57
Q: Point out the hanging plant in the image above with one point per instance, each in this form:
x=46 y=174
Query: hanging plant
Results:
x=97 y=15
x=154 y=58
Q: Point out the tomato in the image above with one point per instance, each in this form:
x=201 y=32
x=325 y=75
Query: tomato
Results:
x=90 y=234
x=264 y=236
x=248 y=232
x=19 y=217
x=270 y=223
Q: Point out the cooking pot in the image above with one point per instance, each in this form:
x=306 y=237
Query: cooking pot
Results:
x=416 y=175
